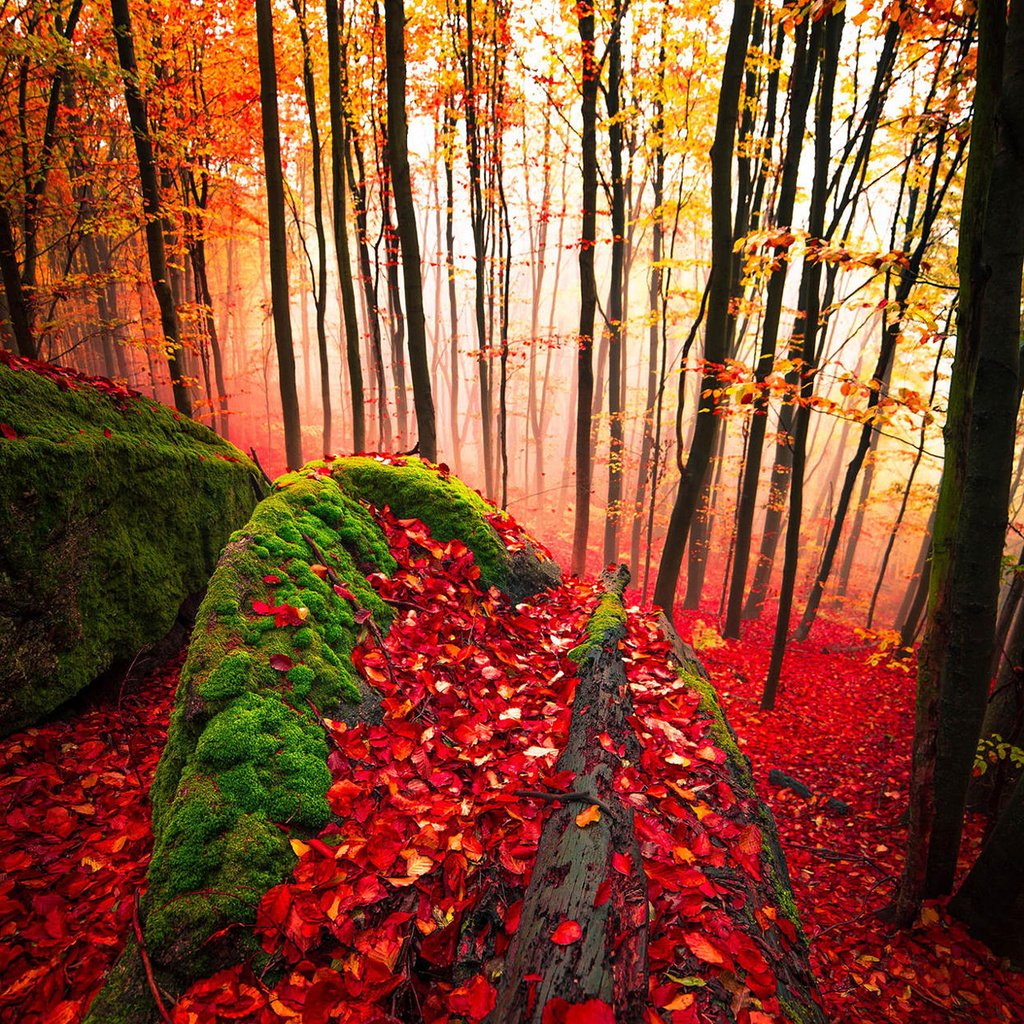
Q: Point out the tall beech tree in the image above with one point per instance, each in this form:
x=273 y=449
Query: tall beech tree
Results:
x=151 y=201
x=805 y=348
x=278 y=238
x=716 y=330
x=955 y=659
x=405 y=212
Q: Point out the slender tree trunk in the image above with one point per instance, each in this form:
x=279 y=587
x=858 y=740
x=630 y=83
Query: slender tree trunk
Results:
x=590 y=85
x=278 y=239
x=807 y=349
x=357 y=186
x=405 y=213
x=613 y=327
x=320 y=281
x=151 y=207
x=341 y=248
x=801 y=88
x=716 y=331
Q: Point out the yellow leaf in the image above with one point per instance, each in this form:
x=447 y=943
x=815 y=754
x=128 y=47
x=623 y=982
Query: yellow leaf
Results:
x=299 y=848
x=589 y=816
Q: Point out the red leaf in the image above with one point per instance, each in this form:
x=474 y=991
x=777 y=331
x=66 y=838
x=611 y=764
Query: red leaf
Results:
x=280 y=662
x=567 y=933
x=8 y=431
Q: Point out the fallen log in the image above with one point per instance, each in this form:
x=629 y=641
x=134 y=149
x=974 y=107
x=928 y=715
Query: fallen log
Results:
x=582 y=936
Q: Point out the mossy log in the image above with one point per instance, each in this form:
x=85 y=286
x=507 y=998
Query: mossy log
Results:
x=115 y=509
x=590 y=875
x=244 y=771
x=576 y=883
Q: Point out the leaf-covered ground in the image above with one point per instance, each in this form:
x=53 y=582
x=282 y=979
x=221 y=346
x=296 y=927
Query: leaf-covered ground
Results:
x=842 y=726
x=428 y=798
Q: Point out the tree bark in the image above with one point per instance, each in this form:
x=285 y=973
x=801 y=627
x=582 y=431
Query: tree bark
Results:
x=405 y=214
x=151 y=208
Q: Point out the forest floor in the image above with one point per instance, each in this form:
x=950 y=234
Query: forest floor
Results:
x=842 y=726
x=74 y=834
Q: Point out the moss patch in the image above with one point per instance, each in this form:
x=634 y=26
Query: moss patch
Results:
x=416 y=490
x=115 y=510
x=245 y=766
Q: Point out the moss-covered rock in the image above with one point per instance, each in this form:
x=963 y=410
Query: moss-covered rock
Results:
x=452 y=510
x=115 y=510
x=244 y=770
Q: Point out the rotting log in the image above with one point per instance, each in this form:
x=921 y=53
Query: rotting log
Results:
x=579 y=879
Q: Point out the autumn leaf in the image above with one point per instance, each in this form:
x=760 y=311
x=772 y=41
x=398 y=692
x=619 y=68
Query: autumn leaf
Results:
x=567 y=933
x=589 y=816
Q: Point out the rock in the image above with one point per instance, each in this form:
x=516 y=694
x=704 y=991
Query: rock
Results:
x=114 y=511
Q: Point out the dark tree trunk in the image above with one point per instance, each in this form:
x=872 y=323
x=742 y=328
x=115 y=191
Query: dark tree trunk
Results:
x=955 y=659
x=278 y=238
x=150 y=186
x=615 y=291
x=341 y=249
x=807 y=348
x=405 y=214
x=590 y=85
x=716 y=331
x=320 y=283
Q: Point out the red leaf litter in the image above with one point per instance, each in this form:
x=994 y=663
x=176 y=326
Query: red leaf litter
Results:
x=75 y=842
x=379 y=910
x=843 y=725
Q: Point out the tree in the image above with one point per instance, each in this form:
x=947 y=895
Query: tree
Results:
x=338 y=191
x=151 y=204
x=716 y=331
x=278 y=240
x=405 y=213
x=954 y=663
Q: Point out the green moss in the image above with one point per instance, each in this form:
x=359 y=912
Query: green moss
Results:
x=725 y=739
x=113 y=513
x=245 y=764
x=444 y=503
x=609 y=615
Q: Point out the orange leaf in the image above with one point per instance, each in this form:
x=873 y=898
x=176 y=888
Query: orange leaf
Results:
x=702 y=949
x=589 y=816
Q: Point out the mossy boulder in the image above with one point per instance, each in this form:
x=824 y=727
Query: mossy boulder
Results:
x=244 y=771
x=451 y=510
x=115 y=509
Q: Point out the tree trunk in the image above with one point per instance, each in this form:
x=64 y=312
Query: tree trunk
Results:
x=716 y=331
x=278 y=238
x=613 y=327
x=801 y=88
x=955 y=659
x=405 y=214
x=610 y=963
x=341 y=251
x=151 y=208
x=807 y=348
x=590 y=85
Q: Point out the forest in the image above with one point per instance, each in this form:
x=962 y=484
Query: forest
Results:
x=512 y=511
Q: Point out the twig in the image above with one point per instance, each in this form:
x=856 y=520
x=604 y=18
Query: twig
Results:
x=146 y=965
x=565 y=798
x=259 y=466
